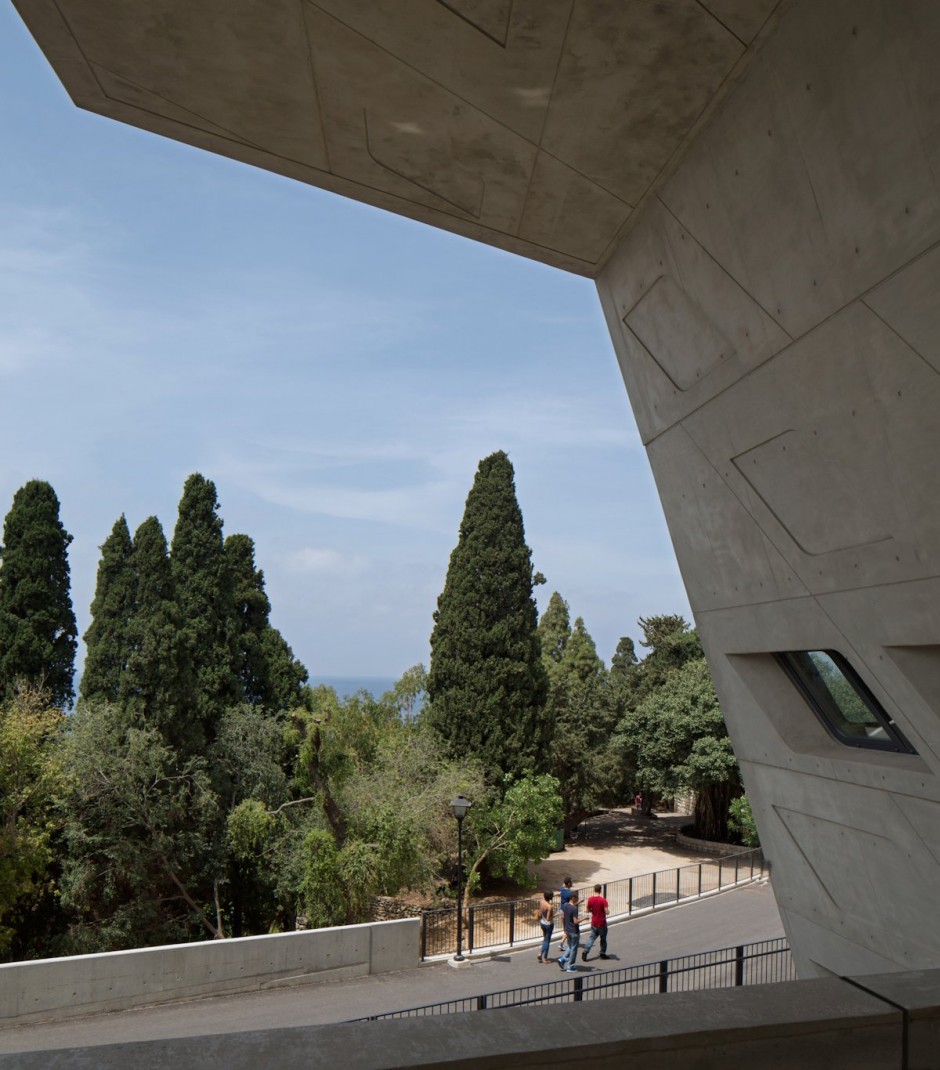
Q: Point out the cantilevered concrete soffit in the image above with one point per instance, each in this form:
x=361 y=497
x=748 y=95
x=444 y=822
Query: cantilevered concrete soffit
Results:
x=535 y=125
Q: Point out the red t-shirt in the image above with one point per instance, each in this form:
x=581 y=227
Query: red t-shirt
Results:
x=597 y=905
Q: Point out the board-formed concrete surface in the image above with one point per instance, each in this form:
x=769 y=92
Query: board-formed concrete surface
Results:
x=755 y=186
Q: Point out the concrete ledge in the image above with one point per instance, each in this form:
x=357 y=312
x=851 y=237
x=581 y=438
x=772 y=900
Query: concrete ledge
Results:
x=708 y=847
x=818 y=1023
x=50 y=989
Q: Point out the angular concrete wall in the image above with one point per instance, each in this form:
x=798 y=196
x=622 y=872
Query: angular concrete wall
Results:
x=776 y=318
x=48 y=989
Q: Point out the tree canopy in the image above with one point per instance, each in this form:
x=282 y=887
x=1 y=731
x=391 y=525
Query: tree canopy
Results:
x=38 y=634
x=487 y=684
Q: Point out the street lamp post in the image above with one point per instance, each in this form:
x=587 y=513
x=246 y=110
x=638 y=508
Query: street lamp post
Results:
x=459 y=806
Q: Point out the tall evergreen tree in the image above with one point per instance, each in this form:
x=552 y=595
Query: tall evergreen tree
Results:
x=269 y=674
x=37 y=625
x=204 y=596
x=106 y=638
x=487 y=684
x=554 y=632
x=156 y=684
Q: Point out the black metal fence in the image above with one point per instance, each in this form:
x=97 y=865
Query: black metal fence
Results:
x=514 y=921
x=746 y=964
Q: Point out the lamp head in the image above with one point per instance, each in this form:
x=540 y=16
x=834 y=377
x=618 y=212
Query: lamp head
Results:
x=459 y=806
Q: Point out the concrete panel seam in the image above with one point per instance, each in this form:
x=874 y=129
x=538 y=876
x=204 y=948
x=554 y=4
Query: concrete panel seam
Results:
x=723 y=25
x=316 y=89
x=501 y=43
x=897 y=334
x=730 y=274
x=905 y=1017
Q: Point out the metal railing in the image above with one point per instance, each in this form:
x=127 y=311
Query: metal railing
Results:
x=747 y=964
x=514 y=921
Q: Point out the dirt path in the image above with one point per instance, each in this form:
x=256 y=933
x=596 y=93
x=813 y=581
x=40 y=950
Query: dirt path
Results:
x=616 y=844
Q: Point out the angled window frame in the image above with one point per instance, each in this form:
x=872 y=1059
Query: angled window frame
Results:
x=824 y=704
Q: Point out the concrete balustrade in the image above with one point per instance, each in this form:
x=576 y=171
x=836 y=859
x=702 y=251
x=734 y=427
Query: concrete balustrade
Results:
x=48 y=989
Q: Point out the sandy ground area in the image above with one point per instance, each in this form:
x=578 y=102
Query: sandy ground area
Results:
x=617 y=844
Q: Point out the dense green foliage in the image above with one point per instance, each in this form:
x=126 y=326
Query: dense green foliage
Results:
x=105 y=639
x=487 y=684
x=201 y=789
x=37 y=625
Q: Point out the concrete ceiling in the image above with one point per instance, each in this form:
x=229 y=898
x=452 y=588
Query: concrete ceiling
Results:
x=538 y=126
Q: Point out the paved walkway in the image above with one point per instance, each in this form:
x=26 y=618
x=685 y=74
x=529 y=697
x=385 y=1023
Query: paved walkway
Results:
x=735 y=917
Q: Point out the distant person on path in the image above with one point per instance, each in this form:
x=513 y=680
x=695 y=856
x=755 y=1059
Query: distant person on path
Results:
x=572 y=934
x=547 y=922
x=638 y=801
x=564 y=895
x=599 y=908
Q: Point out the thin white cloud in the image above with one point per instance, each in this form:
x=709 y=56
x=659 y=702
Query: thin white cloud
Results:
x=313 y=560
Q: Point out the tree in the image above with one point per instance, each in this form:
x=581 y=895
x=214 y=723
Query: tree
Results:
x=582 y=717
x=37 y=625
x=106 y=638
x=142 y=864
x=31 y=777
x=487 y=684
x=204 y=596
x=156 y=684
x=678 y=741
x=508 y=833
x=554 y=631
x=268 y=672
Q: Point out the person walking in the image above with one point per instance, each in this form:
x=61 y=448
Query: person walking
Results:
x=598 y=908
x=547 y=924
x=564 y=895
x=572 y=934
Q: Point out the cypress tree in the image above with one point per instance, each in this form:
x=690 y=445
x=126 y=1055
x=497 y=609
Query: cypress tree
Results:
x=37 y=625
x=156 y=686
x=269 y=674
x=106 y=639
x=487 y=684
x=206 y=604
x=554 y=633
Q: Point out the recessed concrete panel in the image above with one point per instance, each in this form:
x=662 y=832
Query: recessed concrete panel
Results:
x=831 y=446
x=735 y=562
x=683 y=329
x=800 y=191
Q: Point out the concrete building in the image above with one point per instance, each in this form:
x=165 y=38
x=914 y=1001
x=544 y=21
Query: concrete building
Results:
x=755 y=187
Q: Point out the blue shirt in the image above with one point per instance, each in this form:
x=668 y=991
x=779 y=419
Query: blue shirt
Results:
x=570 y=911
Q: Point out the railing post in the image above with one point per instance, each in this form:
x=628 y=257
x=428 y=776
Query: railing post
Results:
x=512 y=923
x=719 y=874
x=424 y=934
x=678 y=881
x=578 y=989
x=470 y=913
x=739 y=965
x=664 y=975
x=736 y=869
x=481 y=1003
x=752 y=863
x=654 y=890
x=630 y=895
x=700 y=880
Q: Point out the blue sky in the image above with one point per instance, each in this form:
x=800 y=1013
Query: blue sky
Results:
x=336 y=370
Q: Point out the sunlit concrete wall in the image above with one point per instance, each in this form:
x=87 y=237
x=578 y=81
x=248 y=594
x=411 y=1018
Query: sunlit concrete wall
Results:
x=53 y=989
x=776 y=316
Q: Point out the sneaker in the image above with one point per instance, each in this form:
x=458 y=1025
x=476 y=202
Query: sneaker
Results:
x=570 y=969
x=584 y=956
x=605 y=956
x=561 y=963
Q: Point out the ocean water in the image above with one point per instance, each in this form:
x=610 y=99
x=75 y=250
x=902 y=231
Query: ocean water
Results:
x=344 y=686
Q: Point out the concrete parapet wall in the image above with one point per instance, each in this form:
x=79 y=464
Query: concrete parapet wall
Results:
x=85 y=984
x=812 y=1024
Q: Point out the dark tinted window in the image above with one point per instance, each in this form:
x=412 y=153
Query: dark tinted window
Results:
x=839 y=697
